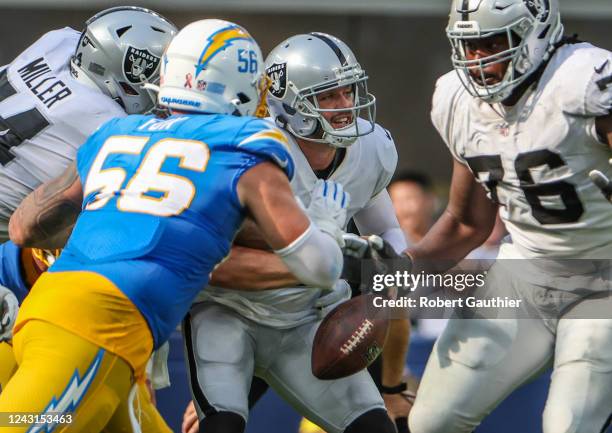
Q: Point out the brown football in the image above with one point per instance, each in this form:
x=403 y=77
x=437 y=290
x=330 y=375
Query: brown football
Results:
x=349 y=339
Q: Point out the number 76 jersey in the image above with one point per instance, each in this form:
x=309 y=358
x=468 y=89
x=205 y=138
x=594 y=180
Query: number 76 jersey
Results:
x=534 y=158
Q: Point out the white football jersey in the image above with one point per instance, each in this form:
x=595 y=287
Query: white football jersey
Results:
x=534 y=158
x=365 y=171
x=45 y=115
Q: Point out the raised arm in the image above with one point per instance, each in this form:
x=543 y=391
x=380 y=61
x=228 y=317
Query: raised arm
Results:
x=465 y=224
x=45 y=217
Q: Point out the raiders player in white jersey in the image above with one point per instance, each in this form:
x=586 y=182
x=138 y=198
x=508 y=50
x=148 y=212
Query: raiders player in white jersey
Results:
x=527 y=115
x=318 y=93
x=61 y=88
x=58 y=92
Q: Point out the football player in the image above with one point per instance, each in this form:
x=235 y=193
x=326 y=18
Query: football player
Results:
x=158 y=203
x=52 y=97
x=526 y=115
x=319 y=97
x=90 y=75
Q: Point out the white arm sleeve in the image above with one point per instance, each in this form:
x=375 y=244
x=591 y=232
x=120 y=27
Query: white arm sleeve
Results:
x=314 y=258
x=378 y=218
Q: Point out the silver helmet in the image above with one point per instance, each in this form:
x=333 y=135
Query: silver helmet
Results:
x=119 y=51
x=532 y=27
x=304 y=66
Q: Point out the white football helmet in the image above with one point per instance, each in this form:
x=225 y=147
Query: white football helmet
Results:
x=303 y=66
x=213 y=66
x=119 y=51
x=532 y=27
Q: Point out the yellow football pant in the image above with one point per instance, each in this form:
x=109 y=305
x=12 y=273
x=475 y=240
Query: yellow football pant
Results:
x=59 y=371
x=8 y=364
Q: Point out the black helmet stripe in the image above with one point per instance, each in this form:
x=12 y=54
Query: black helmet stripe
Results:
x=336 y=49
x=465 y=10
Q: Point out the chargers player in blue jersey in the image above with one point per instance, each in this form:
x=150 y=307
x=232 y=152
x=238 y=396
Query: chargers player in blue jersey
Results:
x=158 y=204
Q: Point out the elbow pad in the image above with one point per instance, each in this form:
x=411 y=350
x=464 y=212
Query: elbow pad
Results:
x=314 y=258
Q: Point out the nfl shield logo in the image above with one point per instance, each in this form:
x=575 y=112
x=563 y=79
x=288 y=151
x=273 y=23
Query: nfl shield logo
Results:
x=139 y=65
x=278 y=74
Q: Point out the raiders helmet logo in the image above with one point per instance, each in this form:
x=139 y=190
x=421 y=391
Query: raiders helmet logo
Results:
x=278 y=74
x=139 y=65
x=540 y=9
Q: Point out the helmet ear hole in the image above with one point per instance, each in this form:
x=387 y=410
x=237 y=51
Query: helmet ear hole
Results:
x=289 y=109
x=128 y=89
x=243 y=98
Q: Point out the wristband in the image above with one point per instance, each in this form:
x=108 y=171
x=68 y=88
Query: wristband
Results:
x=397 y=389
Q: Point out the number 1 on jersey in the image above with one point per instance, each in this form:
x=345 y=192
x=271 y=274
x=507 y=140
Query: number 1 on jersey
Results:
x=173 y=193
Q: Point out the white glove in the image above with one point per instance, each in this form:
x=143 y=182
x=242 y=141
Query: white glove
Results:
x=327 y=210
x=358 y=247
x=602 y=182
x=8 y=313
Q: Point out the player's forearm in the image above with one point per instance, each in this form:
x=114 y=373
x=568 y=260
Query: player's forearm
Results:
x=46 y=215
x=395 y=352
x=252 y=269
x=446 y=243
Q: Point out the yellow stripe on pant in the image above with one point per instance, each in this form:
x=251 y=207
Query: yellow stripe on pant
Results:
x=59 y=371
x=149 y=418
x=66 y=334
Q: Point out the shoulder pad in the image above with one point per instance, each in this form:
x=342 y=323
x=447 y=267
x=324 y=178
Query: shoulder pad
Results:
x=579 y=77
x=449 y=91
x=263 y=139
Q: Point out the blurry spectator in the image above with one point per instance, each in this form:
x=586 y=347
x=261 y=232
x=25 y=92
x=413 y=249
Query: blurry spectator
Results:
x=415 y=206
x=415 y=203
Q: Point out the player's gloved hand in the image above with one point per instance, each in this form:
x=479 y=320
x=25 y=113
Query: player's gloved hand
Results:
x=602 y=182
x=328 y=204
x=8 y=313
x=381 y=254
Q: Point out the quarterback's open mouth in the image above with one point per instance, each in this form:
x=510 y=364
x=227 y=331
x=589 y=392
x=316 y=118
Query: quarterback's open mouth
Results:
x=341 y=120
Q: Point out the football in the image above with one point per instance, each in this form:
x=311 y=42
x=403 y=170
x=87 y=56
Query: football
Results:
x=349 y=339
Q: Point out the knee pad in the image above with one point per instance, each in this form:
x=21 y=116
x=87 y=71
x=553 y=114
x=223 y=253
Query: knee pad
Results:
x=375 y=420
x=222 y=422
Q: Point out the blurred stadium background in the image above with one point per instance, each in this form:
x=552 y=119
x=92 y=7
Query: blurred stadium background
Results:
x=402 y=45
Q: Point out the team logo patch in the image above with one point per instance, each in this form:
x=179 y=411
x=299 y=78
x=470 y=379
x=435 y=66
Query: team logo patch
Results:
x=278 y=74
x=540 y=9
x=139 y=65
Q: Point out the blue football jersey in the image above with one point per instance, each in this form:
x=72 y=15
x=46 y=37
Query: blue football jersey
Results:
x=11 y=275
x=160 y=206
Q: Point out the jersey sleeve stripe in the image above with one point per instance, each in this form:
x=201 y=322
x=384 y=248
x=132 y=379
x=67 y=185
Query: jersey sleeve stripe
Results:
x=269 y=134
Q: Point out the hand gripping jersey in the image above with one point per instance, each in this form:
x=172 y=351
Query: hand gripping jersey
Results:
x=365 y=171
x=534 y=158
x=45 y=115
x=160 y=210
